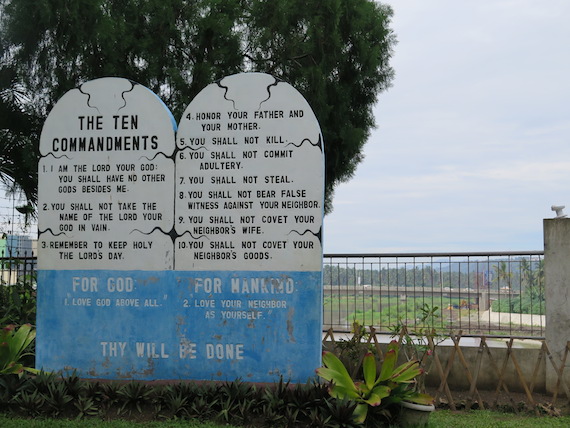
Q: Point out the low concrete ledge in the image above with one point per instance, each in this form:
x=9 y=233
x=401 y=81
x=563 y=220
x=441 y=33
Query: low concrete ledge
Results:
x=506 y=318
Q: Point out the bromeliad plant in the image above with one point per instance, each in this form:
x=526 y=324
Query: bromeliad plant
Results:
x=13 y=343
x=393 y=385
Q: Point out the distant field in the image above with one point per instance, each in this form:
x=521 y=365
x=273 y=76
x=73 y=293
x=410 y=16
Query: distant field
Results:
x=387 y=312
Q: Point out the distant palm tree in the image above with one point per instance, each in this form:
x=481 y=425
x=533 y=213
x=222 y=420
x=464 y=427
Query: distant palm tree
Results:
x=503 y=270
x=533 y=278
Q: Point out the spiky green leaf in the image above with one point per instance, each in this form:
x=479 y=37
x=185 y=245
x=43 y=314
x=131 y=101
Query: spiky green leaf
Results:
x=420 y=398
x=406 y=372
x=341 y=392
x=340 y=375
x=388 y=365
x=369 y=369
x=377 y=394
x=21 y=339
x=360 y=413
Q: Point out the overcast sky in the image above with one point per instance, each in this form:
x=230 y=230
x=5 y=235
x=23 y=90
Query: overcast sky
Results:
x=472 y=146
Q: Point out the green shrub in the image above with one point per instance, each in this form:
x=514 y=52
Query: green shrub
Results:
x=18 y=302
x=14 y=342
x=525 y=304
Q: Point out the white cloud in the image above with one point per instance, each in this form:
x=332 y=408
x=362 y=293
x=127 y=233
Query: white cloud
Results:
x=472 y=145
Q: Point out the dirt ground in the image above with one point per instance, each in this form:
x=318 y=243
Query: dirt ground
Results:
x=516 y=402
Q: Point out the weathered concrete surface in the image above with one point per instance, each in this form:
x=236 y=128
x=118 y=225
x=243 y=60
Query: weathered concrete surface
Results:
x=506 y=318
x=488 y=377
x=557 y=291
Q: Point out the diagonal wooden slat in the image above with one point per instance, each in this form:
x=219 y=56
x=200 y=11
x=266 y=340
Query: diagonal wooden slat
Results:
x=443 y=376
x=501 y=372
x=329 y=334
x=498 y=372
x=537 y=367
x=372 y=337
x=473 y=386
x=559 y=372
x=523 y=382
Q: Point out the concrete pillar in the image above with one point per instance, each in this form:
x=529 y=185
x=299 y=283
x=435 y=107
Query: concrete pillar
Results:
x=557 y=293
x=484 y=302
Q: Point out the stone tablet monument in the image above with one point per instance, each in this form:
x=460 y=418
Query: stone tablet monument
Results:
x=106 y=180
x=190 y=257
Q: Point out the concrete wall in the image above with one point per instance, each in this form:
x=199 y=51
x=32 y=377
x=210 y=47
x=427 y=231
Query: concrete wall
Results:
x=488 y=379
x=557 y=289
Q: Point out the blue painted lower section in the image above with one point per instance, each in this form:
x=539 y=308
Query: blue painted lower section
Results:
x=220 y=325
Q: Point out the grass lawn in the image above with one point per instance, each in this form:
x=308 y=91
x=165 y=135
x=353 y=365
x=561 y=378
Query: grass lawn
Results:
x=7 y=422
x=438 y=419
x=489 y=419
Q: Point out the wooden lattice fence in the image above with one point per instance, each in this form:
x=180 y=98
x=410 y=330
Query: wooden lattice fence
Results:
x=497 y=374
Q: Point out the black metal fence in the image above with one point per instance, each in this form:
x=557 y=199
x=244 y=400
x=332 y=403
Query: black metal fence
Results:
x=476 y=293
x=17 y=268
x=17 y=288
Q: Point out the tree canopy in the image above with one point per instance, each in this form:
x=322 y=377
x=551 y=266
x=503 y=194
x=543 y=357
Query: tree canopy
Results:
x=335 y=52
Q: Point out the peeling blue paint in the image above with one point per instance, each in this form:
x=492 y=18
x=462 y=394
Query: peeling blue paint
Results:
x=144 y=325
